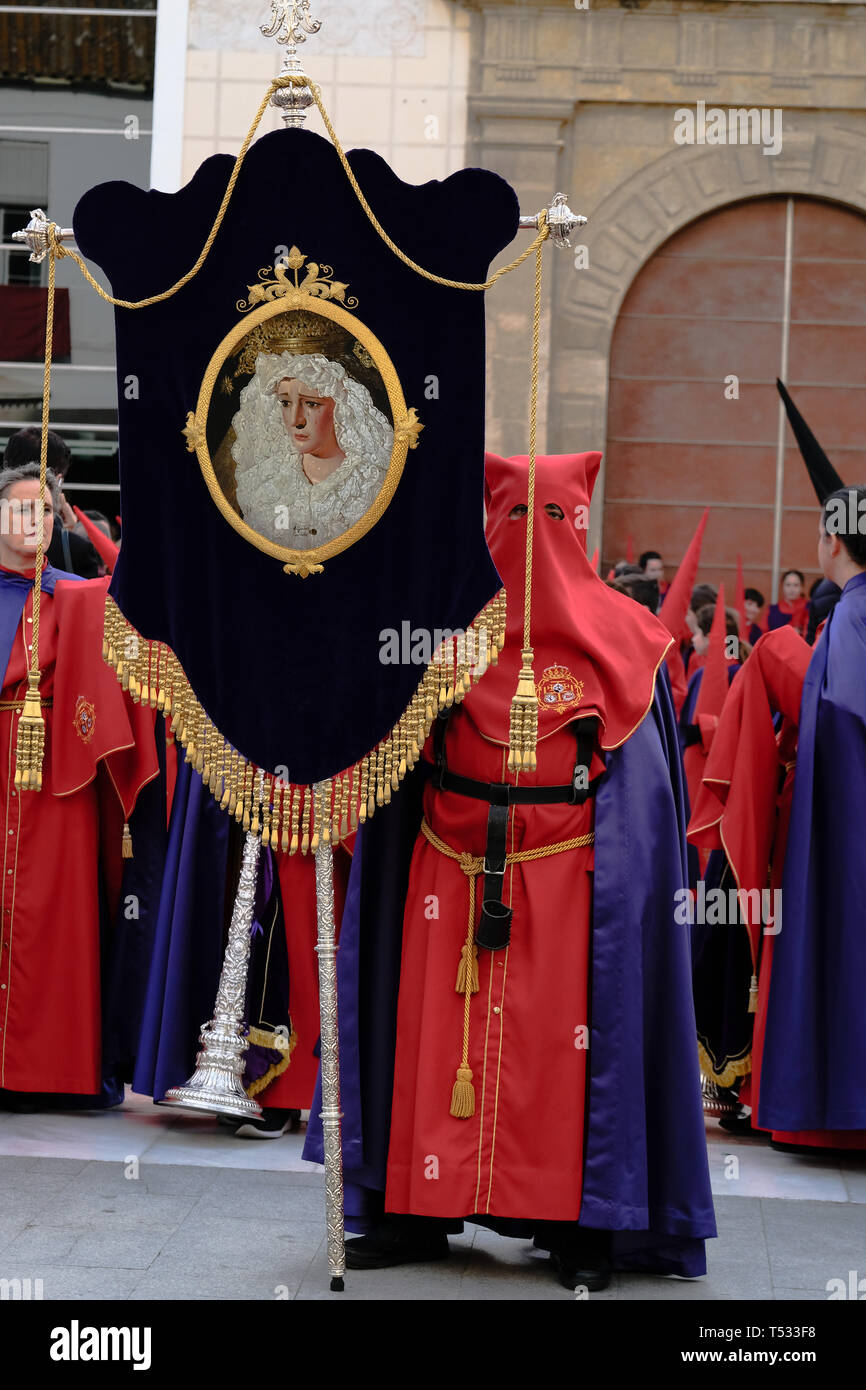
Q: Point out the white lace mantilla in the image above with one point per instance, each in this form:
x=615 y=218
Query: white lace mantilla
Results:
x=274 y=494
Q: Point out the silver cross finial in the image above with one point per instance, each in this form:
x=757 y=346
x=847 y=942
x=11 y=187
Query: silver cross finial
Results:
x=290 y=23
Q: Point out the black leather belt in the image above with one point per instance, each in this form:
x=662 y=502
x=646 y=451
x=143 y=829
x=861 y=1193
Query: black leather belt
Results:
x=494 y=927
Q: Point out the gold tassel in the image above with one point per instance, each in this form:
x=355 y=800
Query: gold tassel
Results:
x=317 y=811
x=337 y=812
x=284 y=817
x=370 y=761
x=30 y=742
x=463 y=1094
x=255 y=809
x=472 y=953
x=328 y=809
x=145 y=672
x=305 y=822
x=380 y=775
x=168 y=690
x=270 y=790
x=523 y=733
x=388 y=769
x=296 y=817
x=126 y=846
x=362 y=801
x=753 y=995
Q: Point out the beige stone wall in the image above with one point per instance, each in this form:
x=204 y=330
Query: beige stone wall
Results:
x=398 y=89
x=583 y=100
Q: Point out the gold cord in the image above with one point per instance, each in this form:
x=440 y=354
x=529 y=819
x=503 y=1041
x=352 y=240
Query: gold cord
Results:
x=523 y=723
x=56 y=248
x=463 y=1091
x=30 y=740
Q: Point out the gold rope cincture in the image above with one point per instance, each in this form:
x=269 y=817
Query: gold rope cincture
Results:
x=135 y=659
x=463 y=1091
x=30 y=741
x=523 y=724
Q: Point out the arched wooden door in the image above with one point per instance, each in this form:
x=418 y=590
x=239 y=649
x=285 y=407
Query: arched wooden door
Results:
x=746 y=291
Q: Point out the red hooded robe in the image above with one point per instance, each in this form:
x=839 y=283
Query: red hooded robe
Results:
x=520 y=1154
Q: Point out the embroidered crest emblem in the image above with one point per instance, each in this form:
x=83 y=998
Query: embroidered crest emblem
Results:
x=558 y=689
x=84 y=719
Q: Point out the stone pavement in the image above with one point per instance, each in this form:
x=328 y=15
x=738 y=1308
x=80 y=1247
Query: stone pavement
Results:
x=212 y=1217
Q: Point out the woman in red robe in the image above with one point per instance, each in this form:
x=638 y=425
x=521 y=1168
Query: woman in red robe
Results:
x=792 y=607
x=62 y=844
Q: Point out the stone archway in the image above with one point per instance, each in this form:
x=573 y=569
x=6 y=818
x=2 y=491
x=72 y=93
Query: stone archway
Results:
x=820 y=159
x=758 y=288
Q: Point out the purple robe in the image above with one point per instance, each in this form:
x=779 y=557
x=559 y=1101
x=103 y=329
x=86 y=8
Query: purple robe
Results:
x=815 y=1047
x=645 y=1167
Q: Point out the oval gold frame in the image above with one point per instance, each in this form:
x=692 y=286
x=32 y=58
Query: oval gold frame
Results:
x=406 y=427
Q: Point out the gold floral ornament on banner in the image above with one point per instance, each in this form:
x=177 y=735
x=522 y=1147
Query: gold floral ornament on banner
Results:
x=318 y=281
x=298 y=311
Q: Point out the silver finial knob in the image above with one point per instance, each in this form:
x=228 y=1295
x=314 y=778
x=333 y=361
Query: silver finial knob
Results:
x=290 y=23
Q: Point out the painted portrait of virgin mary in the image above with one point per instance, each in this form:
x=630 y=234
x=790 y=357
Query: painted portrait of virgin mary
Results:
x=311 y=449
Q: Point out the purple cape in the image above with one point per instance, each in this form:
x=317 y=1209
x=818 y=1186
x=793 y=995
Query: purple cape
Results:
x=645 y=1169
x=815 y=1046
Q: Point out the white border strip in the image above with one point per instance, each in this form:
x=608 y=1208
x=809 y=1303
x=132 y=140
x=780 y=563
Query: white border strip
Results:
x=169 y=83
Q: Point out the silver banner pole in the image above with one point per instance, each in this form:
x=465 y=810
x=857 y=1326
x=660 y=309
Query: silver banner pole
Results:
x=326 y=949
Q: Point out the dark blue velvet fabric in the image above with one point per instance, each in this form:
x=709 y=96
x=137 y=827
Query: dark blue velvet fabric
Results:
x=187 y=942
x=815 y=1047
x=425 y=560
x=645 y=1174
x=135 y=928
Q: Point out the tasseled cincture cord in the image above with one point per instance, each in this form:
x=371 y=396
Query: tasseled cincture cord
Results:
x=30 y=741
x=523 y=724
x=463 y=1091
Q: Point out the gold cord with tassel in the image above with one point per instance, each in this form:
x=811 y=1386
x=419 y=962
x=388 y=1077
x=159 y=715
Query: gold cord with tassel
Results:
x=126 y=844
x=753 y=995
x=30 y=740
x=523 y=730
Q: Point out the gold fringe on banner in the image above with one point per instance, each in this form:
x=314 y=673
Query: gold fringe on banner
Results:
x=288 y=816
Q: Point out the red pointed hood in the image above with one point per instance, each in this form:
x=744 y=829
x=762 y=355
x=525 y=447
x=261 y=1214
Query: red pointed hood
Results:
x=677 y=599
x=596 y=650
x=714 y=686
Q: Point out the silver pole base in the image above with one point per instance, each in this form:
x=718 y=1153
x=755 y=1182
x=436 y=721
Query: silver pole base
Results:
x=215 y=1085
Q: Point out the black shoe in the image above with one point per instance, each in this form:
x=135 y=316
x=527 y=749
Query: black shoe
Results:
x=398 y=1242
x=572 y=1273
x=272 y=1125
x=740 y=1122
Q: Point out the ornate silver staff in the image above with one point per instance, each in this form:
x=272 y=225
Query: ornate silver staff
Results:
x=326 y=950
x=290 y=24
x=216 y=1084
